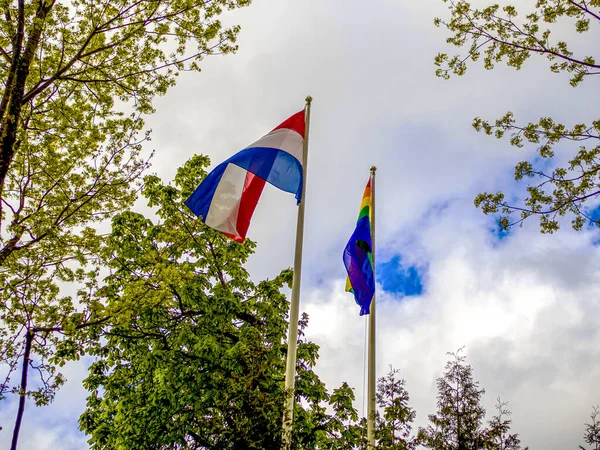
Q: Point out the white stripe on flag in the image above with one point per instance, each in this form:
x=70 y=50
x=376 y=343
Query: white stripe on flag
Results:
x=283 y=139
x=225 y=205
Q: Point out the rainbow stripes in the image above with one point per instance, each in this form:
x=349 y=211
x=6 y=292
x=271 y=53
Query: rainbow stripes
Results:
x=358 y=256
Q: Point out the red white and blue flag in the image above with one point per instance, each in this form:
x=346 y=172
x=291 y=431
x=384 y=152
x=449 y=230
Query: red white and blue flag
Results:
x=227 y=197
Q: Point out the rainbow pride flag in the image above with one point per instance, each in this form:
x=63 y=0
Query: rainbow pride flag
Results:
x=358 y=256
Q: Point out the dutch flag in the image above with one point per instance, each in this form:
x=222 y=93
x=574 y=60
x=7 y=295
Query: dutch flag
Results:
x=227 y=197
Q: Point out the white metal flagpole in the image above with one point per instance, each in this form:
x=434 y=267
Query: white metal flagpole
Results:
x=372 y=328
x=290 y=371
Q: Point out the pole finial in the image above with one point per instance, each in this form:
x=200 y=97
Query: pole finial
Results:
x=373 y=169
x=308 y=99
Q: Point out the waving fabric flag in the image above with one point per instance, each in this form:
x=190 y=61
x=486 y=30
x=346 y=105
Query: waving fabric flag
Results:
x=358 y=257
x=227 y=197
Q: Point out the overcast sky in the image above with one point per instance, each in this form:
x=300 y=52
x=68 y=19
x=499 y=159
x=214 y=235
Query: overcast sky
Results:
x=525 y=305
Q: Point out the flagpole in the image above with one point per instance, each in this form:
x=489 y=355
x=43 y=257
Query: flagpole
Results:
x=290 y=371
x=372 y=328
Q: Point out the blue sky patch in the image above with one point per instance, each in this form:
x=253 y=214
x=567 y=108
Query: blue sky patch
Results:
x=498 y=232
x=594 y=215
x=396 y=278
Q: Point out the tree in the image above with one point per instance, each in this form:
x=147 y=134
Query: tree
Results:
x=196 y=358
x=502 y=35
x=78 y=79
x=592 y=431
x=458 y=422
x=343 y=429
x=498 y=435
x=394 y=422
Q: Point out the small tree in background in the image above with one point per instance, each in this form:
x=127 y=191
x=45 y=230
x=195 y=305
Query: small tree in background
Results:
x=458 y=423
x=395 y=418
x=592 y=431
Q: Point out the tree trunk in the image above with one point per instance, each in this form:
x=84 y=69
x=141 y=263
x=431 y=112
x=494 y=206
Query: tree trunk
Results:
x=23 y=389
x=14 y=92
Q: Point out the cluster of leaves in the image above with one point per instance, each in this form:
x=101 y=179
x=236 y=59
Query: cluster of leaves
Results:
x=78 y=77
x=502 y=35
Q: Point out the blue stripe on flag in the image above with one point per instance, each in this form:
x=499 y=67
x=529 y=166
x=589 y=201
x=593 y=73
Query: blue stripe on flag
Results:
x=275 y=166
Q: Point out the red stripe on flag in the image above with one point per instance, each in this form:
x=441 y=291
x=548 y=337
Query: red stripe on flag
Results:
x=234 y=237
x=253 y=187
x=296 y=123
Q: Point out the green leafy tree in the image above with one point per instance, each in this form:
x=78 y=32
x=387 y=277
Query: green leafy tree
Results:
x=196 y=356
x=343 y=429
x=592 y=431
x=498 y=434
x=78 y=78
x=498 y=34
x=395 y=418
x=458 y=424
